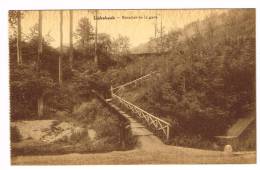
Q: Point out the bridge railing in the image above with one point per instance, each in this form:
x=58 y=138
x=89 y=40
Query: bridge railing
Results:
x=145 y=77
x=151 y=120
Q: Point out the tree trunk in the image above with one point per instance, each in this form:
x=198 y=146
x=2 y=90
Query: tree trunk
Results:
x=71 y=39
x=19 y=55
x=155 y=27
x=40 y=96
x=122 y=135
x=40 y=105
x=61 y=48
x=96 y=57
x=39 y=56
x=161 y=36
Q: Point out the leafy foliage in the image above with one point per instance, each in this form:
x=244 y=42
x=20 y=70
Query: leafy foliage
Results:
x=212 y=81
x=85 y=35
x=26 y=87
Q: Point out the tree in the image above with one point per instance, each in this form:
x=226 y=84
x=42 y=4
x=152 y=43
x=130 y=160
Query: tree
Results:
x=104 y=51
x=28 y=86
x=15 y=31
x=211 y=82
x=120 y=45
x=38 y=64
x=19 y=55
x=13 y=18
x=61 y=47
x=26 y=90
x=96 y=31
x=71 y=39
x=103 y=43
x=84 y=34
x=161 y=36
x=39 y=56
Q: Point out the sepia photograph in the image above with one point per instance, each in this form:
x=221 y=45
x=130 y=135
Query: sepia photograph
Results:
x=132 y=86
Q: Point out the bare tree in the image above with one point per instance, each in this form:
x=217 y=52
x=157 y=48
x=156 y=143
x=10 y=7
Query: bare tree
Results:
x=161 y=36
x=155 y=26
x=61 y=47
x=120 y=45
x=19 y=55
x=39 y=41
x=96 y=31
x=39 y=56
x=71 y=39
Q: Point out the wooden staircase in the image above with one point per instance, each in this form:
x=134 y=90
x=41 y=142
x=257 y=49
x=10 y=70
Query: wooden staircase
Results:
x=235 y=131
x=137 y=128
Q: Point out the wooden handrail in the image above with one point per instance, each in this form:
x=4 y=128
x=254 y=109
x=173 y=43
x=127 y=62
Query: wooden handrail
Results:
x=155 y=121
x=134 y=81
x=141 y=110
x=150 y=119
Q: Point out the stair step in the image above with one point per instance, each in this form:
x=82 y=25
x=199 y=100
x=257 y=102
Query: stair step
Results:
x=136 y=125
x=141 y=132
x=117 y=108
x=132 y=120
x=126 y=115
x=109 y=100
x=225 y=137
x=122 y=112
x=137 y=128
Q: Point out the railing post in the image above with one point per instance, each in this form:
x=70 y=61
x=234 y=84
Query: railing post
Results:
x=111 y=91
x=156 y=123
x=168 y=133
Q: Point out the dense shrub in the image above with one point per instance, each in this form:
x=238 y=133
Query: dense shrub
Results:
x=87 y=112
x=94 y=115
x=25 y=88
x=62 y=98
x=192 y=141
x=80 y=138
x=107 y=125
x=212 y=81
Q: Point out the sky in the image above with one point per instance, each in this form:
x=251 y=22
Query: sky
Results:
x=138 y=25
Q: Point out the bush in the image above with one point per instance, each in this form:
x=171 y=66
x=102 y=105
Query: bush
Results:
x=25 y=88
x=62 y=98
x=80 y=137
x=106 y=125
x=193 y=141
x=86 y=112
x=211 y=84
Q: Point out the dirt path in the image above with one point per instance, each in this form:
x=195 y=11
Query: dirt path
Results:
x=149 y=150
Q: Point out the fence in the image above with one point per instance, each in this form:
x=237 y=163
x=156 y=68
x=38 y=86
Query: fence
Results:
x=145 y=77
x=151 y=120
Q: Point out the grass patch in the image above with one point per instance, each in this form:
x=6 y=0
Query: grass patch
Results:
x=193 y=141
x=89 y=115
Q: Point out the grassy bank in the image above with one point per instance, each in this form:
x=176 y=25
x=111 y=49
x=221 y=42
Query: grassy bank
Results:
x=94 y=129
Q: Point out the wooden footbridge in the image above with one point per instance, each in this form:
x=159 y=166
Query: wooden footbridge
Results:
x=157 y=125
